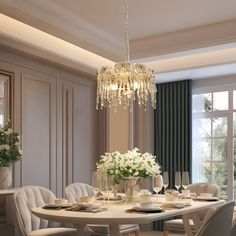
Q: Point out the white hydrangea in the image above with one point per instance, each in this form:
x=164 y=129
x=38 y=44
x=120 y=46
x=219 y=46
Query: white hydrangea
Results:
x=131 y=163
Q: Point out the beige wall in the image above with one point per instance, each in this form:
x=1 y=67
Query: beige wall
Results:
x=128 y=129
x=119 y=130
x=54 y=111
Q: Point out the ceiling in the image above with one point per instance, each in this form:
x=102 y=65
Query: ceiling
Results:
x=159 y=30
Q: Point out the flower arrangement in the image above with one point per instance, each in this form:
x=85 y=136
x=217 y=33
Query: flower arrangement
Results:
x=132 y=163
x=10 y=151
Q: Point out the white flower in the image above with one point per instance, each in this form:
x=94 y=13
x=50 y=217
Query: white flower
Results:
x=6 y=146
x=131 y=163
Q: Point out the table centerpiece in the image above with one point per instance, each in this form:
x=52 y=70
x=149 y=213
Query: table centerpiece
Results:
x=128 y=167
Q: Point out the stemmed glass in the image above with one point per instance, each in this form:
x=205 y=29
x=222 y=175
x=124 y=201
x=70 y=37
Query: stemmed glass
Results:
x=177 y=180
x=185 y=179
x=96 y=182
x=165 y=180
x=185 y=182
x=157 y=184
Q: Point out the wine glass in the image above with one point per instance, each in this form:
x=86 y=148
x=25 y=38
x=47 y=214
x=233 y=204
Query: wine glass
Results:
x=165 y=180
x=157 y=183
x=96 y=182
x=185 y=183
x=177 y=180
x=185 y=179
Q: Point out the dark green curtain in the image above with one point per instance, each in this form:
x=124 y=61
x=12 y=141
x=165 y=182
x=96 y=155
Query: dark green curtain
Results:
x=173 y=128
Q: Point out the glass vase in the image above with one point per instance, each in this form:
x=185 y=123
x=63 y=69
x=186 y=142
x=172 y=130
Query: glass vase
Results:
x=130 y=188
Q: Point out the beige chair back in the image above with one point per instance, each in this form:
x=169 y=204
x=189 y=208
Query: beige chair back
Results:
x=74 y=191
x=27 y=198
x=204 y=188
x=233 y=230
x=219 y=223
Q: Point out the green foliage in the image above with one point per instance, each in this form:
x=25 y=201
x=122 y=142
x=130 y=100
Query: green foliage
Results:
x=10 y=151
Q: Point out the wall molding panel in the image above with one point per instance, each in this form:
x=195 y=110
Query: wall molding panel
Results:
x=38 y=130
x=54 y=112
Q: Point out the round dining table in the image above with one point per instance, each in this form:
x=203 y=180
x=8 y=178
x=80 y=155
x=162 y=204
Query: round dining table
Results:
x=117 y=214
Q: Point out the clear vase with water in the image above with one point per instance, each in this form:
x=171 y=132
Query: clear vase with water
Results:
x=130 y=186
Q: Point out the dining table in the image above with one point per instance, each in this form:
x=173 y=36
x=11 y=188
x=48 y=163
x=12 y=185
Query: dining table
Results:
x=116 y=214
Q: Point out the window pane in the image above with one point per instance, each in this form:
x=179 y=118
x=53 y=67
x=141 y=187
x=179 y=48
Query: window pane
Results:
x=220 y=127
x=202 y=102
x=202 y=128
x=207 y=172
x=204 y=150
x=220 y=101
x=219 y=149
x=219 y=177
x=234 y=99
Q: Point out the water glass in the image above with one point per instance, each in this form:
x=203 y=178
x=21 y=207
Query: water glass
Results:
x=177 y=180
x=185 y=179
x=96 y=182
x=165 y=180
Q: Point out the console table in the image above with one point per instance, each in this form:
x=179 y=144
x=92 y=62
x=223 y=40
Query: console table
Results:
x=7 y=220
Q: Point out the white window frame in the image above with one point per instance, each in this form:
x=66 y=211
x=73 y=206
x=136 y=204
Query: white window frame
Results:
x=229 y=115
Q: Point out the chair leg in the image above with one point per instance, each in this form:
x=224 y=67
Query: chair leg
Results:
x=165 y=232
x=137 y=233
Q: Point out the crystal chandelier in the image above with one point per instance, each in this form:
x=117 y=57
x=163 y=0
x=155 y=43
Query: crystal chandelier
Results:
x=124 y=82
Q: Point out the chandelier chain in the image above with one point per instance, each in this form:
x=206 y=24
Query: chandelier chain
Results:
x=125 y=83
x=126 y=30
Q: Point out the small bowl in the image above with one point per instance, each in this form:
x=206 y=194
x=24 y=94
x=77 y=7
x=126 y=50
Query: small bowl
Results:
x=60 y=201
x=145 y=198
x=87 y=199
x=206 y=195
x=146 y=204
x=145 y=192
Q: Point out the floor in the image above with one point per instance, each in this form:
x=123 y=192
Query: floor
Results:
x=158 y=233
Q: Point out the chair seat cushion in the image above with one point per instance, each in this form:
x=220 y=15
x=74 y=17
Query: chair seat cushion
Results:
x=54 y=232
x=104 y=229
x=176 y=224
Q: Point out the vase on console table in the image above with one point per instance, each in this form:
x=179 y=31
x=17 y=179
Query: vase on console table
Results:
x=130 y=188
x=5 y=177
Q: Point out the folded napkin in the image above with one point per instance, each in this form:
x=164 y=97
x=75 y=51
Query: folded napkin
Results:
x=174 y=204
x=87 y=207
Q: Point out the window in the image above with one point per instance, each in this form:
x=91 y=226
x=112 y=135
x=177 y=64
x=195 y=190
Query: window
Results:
x=214 y=138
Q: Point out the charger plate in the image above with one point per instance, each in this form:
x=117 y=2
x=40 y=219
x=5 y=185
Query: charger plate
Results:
x=152 y=209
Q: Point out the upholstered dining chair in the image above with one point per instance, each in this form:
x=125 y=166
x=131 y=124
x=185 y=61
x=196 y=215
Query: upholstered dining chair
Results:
x=25 y=199
x=73 y=193
x=177 y=225
x=219 y=223
x=233 y=230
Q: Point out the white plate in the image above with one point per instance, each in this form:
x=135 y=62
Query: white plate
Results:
x=202 y=198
